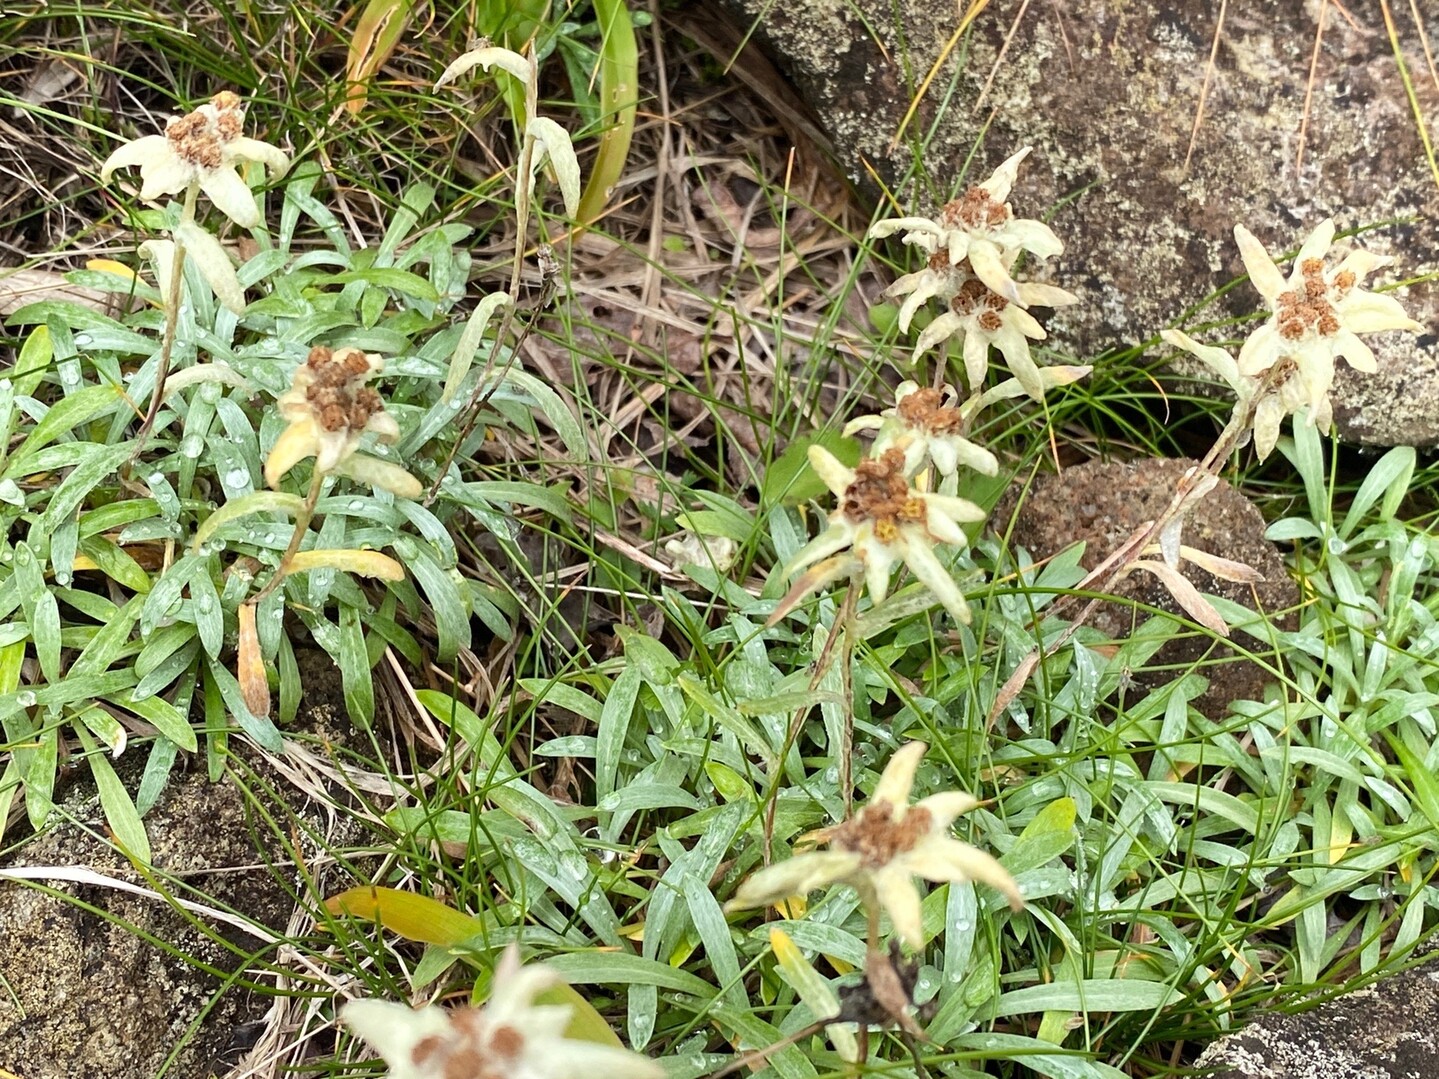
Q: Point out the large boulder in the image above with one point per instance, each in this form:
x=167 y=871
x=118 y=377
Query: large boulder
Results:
x=1385 y=1031
x=1107 y=92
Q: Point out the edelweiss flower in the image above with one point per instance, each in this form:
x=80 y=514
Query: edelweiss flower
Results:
x=926 y=429
x=330 y=409
x=201 y=150
x=511 y=1037
x=883 y=521
x=986 y=318
x=882 y=848
x=1318 y=313
x=979 y=226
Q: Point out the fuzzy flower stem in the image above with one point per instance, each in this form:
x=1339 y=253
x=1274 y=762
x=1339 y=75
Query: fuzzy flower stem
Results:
x=302 y=525
x=172 y=322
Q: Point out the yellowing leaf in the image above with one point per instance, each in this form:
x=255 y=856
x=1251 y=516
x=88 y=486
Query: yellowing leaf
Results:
x=377 y=33
x=414 y=917
x=365 y=563
x=250 y=664
x=119 y=269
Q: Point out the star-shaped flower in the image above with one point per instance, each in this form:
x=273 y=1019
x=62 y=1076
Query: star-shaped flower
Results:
x=201 y=149
x=511 y=1037
x=986 y=318
x=926 y=428
x=1317 y=313
x=883 y=521
x=980 y=227
x=330 y=409
x=882 y=848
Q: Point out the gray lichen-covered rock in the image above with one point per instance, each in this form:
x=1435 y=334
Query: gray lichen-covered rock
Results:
x=106 y=983
x=1102 y=503
x=1107 y=92
x=86 y=994
x=1385 y=1031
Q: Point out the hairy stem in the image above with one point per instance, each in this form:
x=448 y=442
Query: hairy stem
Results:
x=172 y=321
x=302 y=525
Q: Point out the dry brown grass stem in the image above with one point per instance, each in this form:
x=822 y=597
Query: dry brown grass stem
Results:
x=1208 y=79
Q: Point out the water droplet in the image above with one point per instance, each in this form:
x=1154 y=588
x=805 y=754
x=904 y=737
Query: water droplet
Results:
x=964 y=925
x=238 y=478
x=356 y=505
x=210 y=392
x=83 y=340
x=7 y=556
x=192 y=446
x=6 y=385
x=70 y=372
x=204 y=604
x=25 y=699
x=63 y=577
x=381 y=450
x=1336 y=545
x=457 y=403
x=155 y=478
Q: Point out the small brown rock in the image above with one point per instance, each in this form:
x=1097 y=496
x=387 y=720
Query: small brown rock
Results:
x=1102 y=503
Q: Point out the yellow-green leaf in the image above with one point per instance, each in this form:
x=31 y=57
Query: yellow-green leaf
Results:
x=414 y=917
x=381 y=25
x=364 y=563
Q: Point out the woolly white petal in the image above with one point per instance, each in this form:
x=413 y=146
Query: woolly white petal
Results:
x=1316 y=245
x=897 y=779
x=801 y=874
x=1026 y=323
x=1368 y=312
x=393 y=1031
x=275 y=160
x=385 y=475
x=890 y=225
x=1359 y=355
x=166 y=177
x=1001 y=181
x=1217 y=359
x=1260 y=267
x=878 y=561
x=923 y=289
x=837 y=477
x=941 y=329
x=930 y=572
x=1268 y=416
x=1361 y=263
x=296 y=442
x=1034 y=294
x=835 y=538
x=989 y=268
x=899 y=898
x=1015 y=349
x=1260 y=349
x=1035 y=237
x=232 y=197
x=945 y=859
x=976 y=358
x=147 y=152
x=944 y=807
